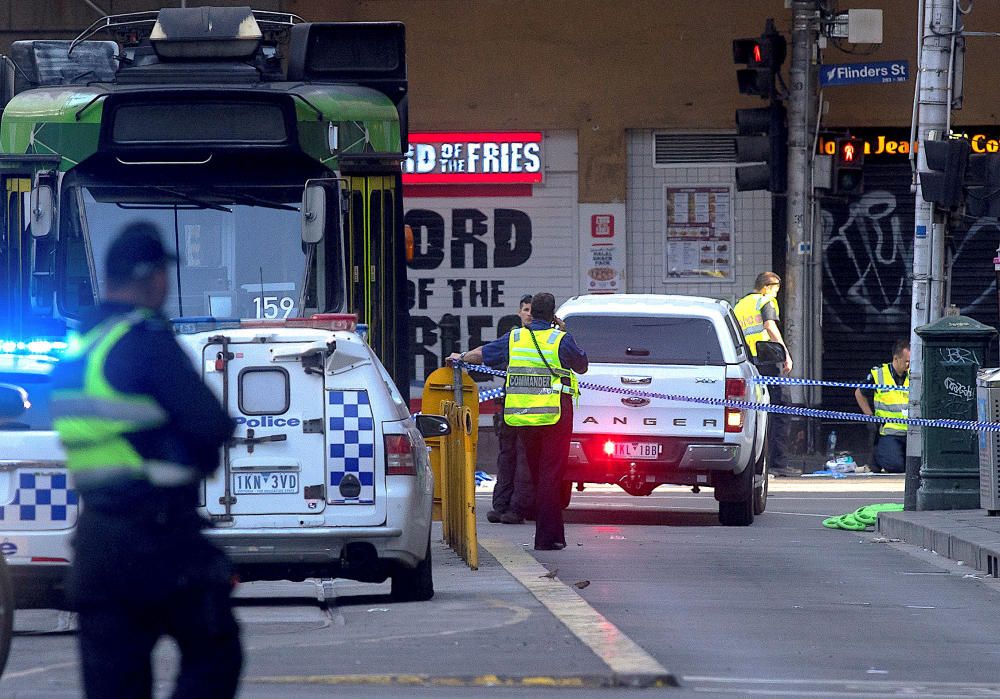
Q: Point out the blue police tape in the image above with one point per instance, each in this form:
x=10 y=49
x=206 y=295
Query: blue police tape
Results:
x=788 y=381
x=748 y=405
x=490 y=394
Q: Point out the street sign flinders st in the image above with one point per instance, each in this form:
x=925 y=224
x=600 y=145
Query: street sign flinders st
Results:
x=860 y=73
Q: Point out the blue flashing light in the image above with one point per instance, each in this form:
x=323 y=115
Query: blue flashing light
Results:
x=189 y=325
x=34 y=347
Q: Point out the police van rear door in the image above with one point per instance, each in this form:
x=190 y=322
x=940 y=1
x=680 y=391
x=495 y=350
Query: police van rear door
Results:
x=276 y=460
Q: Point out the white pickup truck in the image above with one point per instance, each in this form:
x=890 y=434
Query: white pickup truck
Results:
x=678 y=345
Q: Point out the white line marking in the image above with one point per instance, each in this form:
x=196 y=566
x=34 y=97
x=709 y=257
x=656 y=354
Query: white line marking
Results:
x=617 y=650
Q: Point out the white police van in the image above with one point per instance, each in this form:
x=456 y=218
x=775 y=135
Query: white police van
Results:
x=327 y=475
x=679 y=345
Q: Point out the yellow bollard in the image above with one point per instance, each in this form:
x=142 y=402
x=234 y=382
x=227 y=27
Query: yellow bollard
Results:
x=453 y=460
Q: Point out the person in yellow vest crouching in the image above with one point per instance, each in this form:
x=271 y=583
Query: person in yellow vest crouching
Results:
x=891 y=400
x=540 y=386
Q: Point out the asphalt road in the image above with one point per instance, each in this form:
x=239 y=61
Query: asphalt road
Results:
x=650 y=591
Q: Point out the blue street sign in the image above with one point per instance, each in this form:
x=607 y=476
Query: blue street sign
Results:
x=858 y=73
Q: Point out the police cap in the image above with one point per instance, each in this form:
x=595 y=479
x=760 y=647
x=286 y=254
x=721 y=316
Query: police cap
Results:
x=136 y=253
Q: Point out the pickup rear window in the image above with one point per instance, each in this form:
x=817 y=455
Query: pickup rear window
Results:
x=646 y=339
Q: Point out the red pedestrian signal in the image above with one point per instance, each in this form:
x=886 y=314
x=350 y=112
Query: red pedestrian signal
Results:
x=848 y=166
x=848 y=155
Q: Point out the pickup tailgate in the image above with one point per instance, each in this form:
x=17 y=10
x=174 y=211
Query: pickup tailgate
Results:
x=646 y=352
x=605 y=412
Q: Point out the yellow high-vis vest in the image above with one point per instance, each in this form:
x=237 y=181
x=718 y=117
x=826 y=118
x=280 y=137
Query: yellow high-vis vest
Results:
x=892 y=403
x=747 y=311
x=533 y=389
x=89 y=414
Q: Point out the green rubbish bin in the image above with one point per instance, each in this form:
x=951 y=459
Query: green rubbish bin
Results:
x=954 y=348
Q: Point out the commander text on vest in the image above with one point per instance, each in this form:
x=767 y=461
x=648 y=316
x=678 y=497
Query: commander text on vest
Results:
x=141 y=430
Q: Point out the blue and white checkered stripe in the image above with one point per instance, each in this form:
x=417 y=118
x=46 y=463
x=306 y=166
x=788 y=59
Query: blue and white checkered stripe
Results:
x=41 y=500
x=351 y=439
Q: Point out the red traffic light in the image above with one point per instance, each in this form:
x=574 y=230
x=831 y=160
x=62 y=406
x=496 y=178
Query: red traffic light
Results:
x=767 y=51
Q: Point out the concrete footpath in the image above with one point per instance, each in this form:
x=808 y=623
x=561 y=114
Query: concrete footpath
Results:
x=970 y=536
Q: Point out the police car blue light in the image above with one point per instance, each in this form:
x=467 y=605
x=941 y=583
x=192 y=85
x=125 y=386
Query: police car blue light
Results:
x=188 y=325
x=38 y=347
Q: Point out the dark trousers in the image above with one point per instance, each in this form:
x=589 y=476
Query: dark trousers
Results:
x=514 y=490
x=547 y=450
x=890 y=453
x=116 y=642
x=143 y=569
x=777 y=426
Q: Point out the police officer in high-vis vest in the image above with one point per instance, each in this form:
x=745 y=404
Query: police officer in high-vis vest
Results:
x=140 y=431
x=892 y=400
x=758 y=315
x=540 y=387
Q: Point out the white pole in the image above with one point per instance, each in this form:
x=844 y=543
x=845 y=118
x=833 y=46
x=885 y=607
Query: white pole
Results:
x=933 y=87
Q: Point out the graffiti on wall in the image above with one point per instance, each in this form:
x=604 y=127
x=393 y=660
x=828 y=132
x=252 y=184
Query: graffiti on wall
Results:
x=868 y=265
x=460 y=259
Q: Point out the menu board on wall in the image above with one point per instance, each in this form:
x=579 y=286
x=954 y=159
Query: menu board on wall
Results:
x=699 y=234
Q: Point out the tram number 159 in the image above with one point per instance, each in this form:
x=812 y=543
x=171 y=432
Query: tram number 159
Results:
x=271 y=307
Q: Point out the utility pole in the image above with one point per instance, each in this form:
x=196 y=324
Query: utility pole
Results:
x=934 y=79
x=798 y=288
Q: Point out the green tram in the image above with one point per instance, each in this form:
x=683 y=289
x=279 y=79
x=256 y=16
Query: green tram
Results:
x=266 y=150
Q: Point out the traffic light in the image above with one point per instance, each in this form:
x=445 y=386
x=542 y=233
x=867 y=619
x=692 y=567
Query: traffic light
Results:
x=762 y=139
x=946 y=162
x=982 y=178
x=763 y=57
x=848 y=166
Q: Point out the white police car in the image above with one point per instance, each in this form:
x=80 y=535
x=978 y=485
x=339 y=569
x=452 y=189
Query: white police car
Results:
x=327 y=475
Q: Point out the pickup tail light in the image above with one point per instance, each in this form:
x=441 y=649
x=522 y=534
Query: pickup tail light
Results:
x=736 y=389
x=399 y=460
